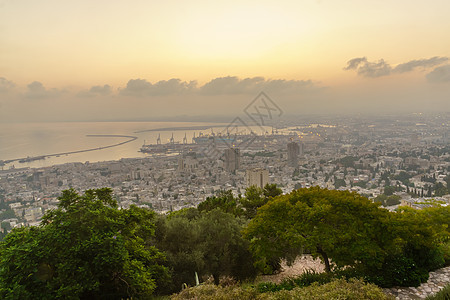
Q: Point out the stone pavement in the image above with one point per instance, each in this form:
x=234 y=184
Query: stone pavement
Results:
x=437 y=281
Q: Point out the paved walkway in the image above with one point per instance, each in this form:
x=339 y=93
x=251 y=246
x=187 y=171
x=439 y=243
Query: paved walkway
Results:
x=437 y=281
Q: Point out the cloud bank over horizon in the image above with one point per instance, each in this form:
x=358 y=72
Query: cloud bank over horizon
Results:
x=141 y=99
x=373 y=69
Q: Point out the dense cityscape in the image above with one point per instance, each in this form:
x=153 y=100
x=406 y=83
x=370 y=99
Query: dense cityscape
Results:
x=392 y=160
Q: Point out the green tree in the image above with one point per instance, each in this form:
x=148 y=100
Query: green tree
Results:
x=271 y=190
x=392 y=200
x=397 y=248
x=389 y=190
x=339 y=183
x=224 y=200
x=225 y=250
x=209 y=243
x=87 y=248
x=439 y=190
x=256 y=197
x=7 y=214
x=179 y=236
x=252 y=200
x=336 y=225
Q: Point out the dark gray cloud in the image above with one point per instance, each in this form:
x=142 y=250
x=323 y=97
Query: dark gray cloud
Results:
x=366 y=68
x=439 y=75
x=96 y=90
x=6 y=85
x=142 y=88
x=234 y=85
x=36 y=90
x=420 y=63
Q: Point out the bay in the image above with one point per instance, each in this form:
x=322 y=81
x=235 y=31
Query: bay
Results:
x=21 y=140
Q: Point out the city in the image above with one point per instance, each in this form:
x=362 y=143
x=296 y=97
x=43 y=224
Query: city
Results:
x=390 y=160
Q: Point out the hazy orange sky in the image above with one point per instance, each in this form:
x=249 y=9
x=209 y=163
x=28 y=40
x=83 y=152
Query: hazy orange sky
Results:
x=68 y=60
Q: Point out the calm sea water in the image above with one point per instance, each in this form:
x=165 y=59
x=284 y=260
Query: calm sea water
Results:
x=20 y=140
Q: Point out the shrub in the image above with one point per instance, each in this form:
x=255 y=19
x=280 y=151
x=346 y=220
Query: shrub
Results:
x=305 y=279
x=211 y=291
x=336 y=289
x=445 y=249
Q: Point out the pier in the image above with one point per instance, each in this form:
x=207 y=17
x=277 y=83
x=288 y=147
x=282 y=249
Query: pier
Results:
x=39 y=157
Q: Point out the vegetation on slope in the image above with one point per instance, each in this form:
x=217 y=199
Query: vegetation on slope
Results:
x=89 y=248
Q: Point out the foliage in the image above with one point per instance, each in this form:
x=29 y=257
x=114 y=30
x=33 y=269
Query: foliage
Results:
x=211 y=291
x=445 y=250
x=7 y=214
x=209 y=243
x=332 y=224
x=362 y=184
x=86 y=248
x=305 y=279
x=338 y=182
x=178 y=236
x=387 y=200
x=443 y=294
x=440 y=189
x=403 y=177
x=336 y=289
x=225 y=201
x=389 y=190
x=271 y=191
x=411 y=250
x=347 y=161
x=225 y=251
x=398 y=248
x=256 y=197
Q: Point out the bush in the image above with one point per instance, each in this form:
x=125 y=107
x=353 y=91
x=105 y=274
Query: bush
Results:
x=305 y=279
x=398 y=271
x=211 y=291
x=445 y=249
x=336 y=289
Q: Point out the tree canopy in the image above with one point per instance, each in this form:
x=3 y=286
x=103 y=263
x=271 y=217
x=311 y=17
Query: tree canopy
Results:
x=208 y=242
x=345 y=229
x=330 y=224
x=256 y=197
x=87 y=248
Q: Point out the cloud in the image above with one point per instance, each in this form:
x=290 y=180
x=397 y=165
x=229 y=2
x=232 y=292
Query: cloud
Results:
x=232 y=85
x=420 y=63
x=6 y=85
x=439 y=75
x=381 y=68
x=142 y=88
x=96 y=90
x=36 y=90
x=353 y=64
x=366 y=68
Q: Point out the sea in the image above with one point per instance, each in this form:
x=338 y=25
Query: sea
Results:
x=24 y=140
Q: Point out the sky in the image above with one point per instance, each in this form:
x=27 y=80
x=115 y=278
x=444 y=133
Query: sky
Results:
x=133 y=60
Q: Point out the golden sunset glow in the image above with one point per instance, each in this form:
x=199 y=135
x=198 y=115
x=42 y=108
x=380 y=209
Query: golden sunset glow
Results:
x=73 y=46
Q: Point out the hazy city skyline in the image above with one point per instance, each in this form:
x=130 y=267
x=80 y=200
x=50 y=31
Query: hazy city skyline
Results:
x=111 y=60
